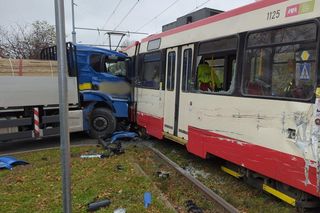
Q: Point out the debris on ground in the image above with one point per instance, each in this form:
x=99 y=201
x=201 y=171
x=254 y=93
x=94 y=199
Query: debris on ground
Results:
x=123 y=135
x=44 y=158
x=119 y=210
x=112 y=148
x=120 y=167
x=163 y=174
x=147 y=199
x=98 y=204
x=112 y=145
x=93 y=156
x=195 y=172
x=192 y=207
x=8 y=162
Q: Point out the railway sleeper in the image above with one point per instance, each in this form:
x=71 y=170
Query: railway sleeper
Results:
x=301 y=200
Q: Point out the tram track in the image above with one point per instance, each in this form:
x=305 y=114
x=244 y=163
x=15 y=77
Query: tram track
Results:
x=199 y=185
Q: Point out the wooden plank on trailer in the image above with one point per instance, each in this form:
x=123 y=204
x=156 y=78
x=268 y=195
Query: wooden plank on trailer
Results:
x=26 y=67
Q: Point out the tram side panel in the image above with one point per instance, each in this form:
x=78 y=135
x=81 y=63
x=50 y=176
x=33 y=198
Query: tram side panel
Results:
x=254 y=134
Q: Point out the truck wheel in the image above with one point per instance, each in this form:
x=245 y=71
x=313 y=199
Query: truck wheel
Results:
x=102 y=123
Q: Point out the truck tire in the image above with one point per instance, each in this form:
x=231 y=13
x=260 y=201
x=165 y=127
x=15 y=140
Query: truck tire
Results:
x=102 y=123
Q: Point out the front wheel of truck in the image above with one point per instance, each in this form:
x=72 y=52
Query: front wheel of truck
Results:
x=102 y=123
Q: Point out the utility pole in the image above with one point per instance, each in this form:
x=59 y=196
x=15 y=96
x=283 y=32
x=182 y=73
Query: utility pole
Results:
x=74 y=39
x=63 y=105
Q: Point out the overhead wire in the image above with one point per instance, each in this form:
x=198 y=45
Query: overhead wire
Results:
x=128 y=13
x=199 y=6
x=113 y=12
x=108 y=19
x=158 y=15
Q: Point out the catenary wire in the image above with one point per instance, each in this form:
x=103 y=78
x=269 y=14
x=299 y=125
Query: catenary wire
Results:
x=157 y=16
x=199 y=6
x=113 y=12
x=128 y=13
x=108 y=19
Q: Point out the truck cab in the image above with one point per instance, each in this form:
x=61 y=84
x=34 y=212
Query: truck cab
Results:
x=104 y=88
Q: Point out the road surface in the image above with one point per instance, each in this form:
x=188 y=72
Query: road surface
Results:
x=23 y=146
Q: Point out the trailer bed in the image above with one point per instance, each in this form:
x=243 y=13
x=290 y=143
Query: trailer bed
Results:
x=18 y=91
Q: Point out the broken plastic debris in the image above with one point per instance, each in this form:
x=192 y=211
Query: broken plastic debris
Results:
x=192 y=207
x=163 y=174
x=122 y=134
x=113 y=148
x=120 y=167
x=99 y=204
x=5 y=166
x=8 y=162
x=147 y=199
x=93 y=156
x=119 y=210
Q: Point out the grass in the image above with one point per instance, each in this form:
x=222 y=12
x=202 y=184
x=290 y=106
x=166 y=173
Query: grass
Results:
x=37 y=187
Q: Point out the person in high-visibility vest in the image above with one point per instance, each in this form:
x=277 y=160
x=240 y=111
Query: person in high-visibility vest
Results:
x=207 y=78
x=204 y=77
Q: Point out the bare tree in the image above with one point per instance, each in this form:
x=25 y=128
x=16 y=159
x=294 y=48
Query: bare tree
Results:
x=26 y=41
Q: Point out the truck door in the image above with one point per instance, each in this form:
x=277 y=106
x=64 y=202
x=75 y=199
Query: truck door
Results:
x=171 y=91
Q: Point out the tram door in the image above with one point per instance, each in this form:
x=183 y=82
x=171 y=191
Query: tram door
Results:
x=171 y=88
x=185 y=100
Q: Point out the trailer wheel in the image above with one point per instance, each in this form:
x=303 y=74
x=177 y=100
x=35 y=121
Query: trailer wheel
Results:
x=102 y=123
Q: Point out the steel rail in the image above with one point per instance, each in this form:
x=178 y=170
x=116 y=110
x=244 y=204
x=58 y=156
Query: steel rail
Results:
x=208 y=192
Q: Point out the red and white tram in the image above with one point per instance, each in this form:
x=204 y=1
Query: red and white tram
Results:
x=240 y=85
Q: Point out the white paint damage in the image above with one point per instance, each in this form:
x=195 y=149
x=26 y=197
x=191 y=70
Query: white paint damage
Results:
x=307 y=139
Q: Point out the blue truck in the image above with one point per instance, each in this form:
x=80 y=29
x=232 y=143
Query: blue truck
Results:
x=98 y=94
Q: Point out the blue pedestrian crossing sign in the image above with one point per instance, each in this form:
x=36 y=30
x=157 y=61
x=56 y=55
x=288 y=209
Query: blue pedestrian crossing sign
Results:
x=305 y=69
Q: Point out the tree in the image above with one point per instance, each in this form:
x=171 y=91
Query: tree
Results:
x=26 y=41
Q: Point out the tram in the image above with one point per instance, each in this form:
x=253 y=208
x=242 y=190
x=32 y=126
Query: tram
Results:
x=244 y=86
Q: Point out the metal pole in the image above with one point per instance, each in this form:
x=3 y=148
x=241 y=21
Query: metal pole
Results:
x=109 y=34
x=111 y=31
x=63 y=105
x=120 y=41
x=74 y=38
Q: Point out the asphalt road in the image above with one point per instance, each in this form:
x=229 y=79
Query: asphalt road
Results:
x=52 y=142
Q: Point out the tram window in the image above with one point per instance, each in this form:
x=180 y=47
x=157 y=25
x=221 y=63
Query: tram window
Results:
x=154 y=44
x=282 y=70
x=149 y=76
x=171 y=70
x=306 y=32
x=216 y=68
x=186 y=69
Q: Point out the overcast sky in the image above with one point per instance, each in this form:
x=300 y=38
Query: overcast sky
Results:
x=95 y=14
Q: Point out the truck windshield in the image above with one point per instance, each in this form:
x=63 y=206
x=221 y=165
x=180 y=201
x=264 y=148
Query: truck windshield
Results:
x=117 y=68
